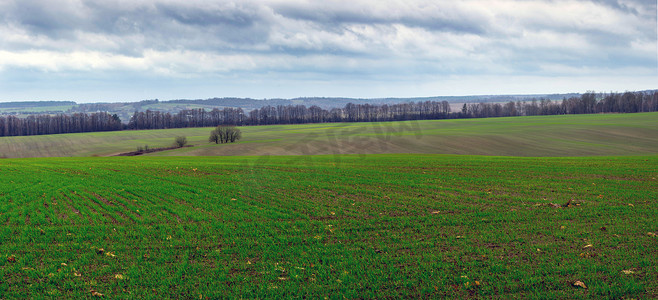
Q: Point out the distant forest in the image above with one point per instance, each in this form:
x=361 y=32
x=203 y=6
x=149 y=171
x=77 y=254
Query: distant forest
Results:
x=61 y=123
x=588 y=103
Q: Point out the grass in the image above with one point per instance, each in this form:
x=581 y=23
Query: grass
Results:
x=573 y=135
x=353 y=226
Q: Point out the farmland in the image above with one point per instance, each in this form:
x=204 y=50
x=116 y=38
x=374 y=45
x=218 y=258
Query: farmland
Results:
x=573 y=135
x=573 y=199
x=374 y=226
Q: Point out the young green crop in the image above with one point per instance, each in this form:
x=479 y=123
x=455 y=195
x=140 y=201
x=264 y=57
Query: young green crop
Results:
x=375 y=226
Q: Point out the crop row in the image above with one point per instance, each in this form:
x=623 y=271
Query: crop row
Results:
x=329 y=226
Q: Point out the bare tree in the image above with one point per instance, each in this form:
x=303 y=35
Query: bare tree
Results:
x=225 y=134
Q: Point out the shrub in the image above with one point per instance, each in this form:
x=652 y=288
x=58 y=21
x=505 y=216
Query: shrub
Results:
x=180 y=141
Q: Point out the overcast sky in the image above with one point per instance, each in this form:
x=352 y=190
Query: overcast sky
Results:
x=128 y=50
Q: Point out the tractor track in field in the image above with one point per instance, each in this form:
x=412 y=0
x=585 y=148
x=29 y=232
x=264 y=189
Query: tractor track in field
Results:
x=101 y=210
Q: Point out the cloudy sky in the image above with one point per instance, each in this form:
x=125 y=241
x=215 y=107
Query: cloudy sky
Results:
x=128 y=50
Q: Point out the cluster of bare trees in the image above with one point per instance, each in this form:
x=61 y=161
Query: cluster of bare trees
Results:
x=47 y=124
x=588 y=103
x=186 y=118
x=296 y=114
x=225 y=134
x=290 y=114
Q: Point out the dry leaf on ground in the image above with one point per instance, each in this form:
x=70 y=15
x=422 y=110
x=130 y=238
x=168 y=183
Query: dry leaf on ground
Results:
x=96 y=294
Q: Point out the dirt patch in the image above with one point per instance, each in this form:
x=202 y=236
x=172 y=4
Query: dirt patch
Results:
x=151 y=150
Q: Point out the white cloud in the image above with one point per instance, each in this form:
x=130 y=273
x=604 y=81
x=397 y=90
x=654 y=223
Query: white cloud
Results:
x=49 y=61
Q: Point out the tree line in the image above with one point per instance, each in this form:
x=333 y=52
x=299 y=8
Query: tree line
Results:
x=61 y=123
x=587 y=103
x=290 y=114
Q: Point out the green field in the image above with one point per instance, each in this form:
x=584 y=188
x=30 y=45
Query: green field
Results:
x=547 y=201
x=567 y=135
x=373 y=226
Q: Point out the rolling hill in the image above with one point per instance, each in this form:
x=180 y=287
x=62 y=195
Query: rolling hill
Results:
x=565 y=135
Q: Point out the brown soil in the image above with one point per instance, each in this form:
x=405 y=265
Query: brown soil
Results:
x=135 y=153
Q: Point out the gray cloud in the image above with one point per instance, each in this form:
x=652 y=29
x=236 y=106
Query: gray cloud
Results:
x=372 y=39
x=244 y=25
x=159 y=26
x=335 y=16
x=636 y=7
x=44 y=19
